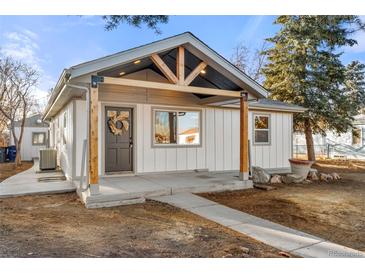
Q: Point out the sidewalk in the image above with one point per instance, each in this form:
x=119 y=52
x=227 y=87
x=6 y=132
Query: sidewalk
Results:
x=290 y=240
x=26 y=183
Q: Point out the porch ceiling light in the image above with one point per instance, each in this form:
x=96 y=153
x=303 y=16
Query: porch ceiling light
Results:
x=122 y=73
x=203 y=71
x=137 y=62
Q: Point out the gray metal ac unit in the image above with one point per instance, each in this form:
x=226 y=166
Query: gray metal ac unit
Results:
x=47 y=159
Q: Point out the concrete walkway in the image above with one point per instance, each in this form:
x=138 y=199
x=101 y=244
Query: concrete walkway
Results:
x=281 y=237
x=26 y=183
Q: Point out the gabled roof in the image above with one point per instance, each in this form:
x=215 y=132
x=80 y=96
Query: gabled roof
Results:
x=32 y=121
x=190 y=42
x=269 y=104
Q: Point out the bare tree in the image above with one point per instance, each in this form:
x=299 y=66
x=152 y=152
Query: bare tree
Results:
x=249 y=63
x=240 y=57
x=4 y=132
x=17 y=80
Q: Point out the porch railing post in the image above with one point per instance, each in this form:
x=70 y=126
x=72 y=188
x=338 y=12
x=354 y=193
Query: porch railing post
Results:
x=93 y=160
x=243 y=136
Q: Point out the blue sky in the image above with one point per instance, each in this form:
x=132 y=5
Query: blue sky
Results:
x=52 y=43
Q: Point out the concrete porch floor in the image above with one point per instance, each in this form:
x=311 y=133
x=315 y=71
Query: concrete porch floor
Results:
x=122 y=190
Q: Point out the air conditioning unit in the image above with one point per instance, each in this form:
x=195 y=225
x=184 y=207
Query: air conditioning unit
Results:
x=47 y=159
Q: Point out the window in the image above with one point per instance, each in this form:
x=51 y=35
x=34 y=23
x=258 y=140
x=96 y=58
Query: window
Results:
x=261 y=129
x=356 y=136
x=64 y=128
x=38 y=138
x=176 y=127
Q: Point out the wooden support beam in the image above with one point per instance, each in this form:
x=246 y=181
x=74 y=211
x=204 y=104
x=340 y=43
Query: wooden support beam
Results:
x=180 y=65
x=156 y=59
x=165 y=86
x=194 y=73
x=93 y=132
x=243 y=137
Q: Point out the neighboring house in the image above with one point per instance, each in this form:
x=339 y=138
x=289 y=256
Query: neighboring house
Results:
x=171 y=105
x=189 y=136
x=350 y=144
x=35 y=136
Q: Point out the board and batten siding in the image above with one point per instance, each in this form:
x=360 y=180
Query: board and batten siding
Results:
x=62 y=138
x=220 y=143
x=277 y=153
x=220 y=132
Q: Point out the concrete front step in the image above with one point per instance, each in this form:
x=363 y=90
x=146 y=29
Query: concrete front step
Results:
x=107 y=198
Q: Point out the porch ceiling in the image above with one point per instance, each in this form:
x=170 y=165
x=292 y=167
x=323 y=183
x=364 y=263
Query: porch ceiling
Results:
x=211 y=78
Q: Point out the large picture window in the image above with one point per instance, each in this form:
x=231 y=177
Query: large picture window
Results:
x=178 y=127
x=261 y=129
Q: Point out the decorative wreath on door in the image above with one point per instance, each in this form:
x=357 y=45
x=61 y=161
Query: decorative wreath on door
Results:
x=123 y=119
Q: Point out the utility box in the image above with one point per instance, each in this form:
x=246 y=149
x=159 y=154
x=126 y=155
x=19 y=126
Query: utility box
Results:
x=47 y=159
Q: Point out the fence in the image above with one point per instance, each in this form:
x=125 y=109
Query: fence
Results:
x=331 y=150
x=320 y=151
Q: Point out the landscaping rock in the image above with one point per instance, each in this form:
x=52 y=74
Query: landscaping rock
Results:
x=329 y=177
x=312 y=175
x=259 y=175
x=292 y=178
x=284 y=254
x=245 y=250
x=323 y=177
x=335 y=176
x=276 y=179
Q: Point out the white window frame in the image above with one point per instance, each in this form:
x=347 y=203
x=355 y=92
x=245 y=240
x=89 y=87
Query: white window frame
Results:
x=268 y=129
x=44 y=138
x=155 y=145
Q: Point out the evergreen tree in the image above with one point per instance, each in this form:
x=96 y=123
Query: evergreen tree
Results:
x=304 y=68
x=151 y=21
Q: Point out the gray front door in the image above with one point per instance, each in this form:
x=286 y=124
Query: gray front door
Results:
x=118 y=139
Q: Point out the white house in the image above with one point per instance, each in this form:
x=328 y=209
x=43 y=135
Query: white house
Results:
x=168 y=106
x=35 y=136
x=350 y=145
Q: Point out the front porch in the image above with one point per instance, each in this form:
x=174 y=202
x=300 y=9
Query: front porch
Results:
x=175 y=83
x=123 y=190
x=172 y=108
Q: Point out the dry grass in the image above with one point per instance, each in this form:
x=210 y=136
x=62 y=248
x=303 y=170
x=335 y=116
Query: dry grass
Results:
x=9 y=169
x=60 y=226
x=334 y=210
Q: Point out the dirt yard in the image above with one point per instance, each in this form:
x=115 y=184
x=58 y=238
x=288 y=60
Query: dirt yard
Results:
x=333 y=210
x=60 y=226
x=8 y=169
